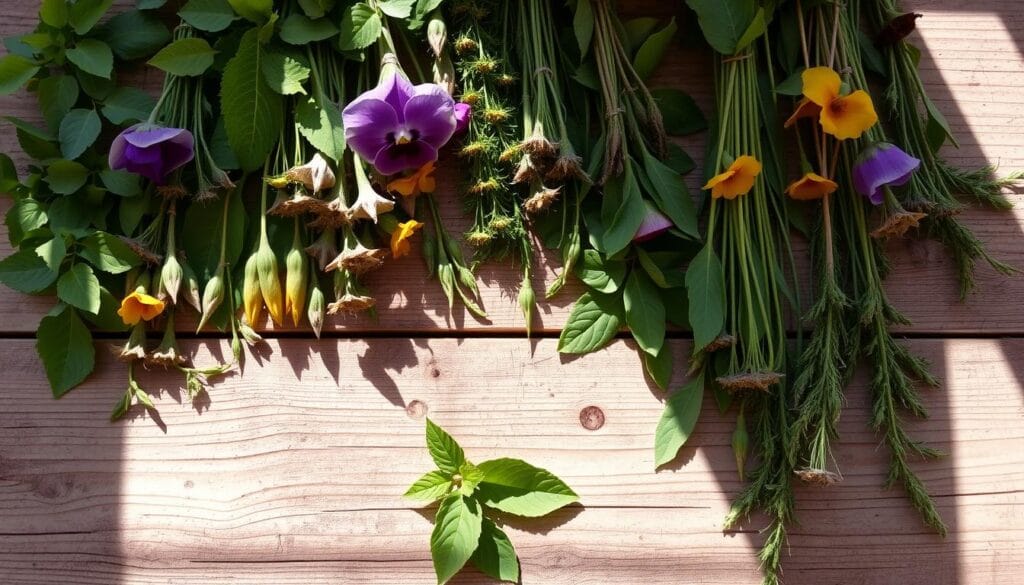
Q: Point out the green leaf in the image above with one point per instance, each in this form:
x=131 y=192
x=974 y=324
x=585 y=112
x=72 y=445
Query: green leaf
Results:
x=202 y=232
x=445 y=451
x=593 y=322
x=724 y=23
x=208 y=15
x=107 y=319
x=622 y=211
x=645 y=315
x=319 y=122
x=652 y=263
x=108 y=253
x=70 y=215
x=360 y=27
x=66 y=176
x=705 y=286
x=26 y=215
x=600 y=273
x=121 y=183
x=86 y=13
x=78 y=130
x=54 y=13
x=637 y=30
x=792 y=85
x=65 y=348
x=757 y=28
x=53 y=252
x=937 y=128
x=659 y=366
x=316 y=8
x=284 y=73
x=93 y=57
x=95 y=87
x=57 y=95
x=679 y=112
x=456 y=533
x=24 y=271
x=583 y=25
x=430 y=487
x=150 y=4
x=252 y=112
x=185 y=57
x=682 y=409
x=471 y=477
x=653 y=49
x=134 y=35
x=298 y=29
x=15 y=71
x=670 y=194
x=127 y=104
x=396 y=8
x=8 y=175
x=257 y=11
x=494 y=555
x=80 y=288
x=516 y=487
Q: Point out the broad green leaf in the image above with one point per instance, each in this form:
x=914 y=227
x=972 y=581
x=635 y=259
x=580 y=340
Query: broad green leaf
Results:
x=257 y=11
x=600 y=273
x=121 y=183
x=456 y=533
x=583 y=25
x=298 y=29
x=95 y=87
x=130 y=212
x=645 y=315
x=70 y=215
x=679 y=112
x=23 y=217
x=593 y=322
x=622 y=211
x=669 y=192
x=360 y=27
x=724 y=23
x=86 y=13
x=516 y=487
x=108 y=253
x=80 y=288
x=938 y=127
x=15 y=71
x=92 y=56
x=754 y=31
x=202 y=232
x=870 y=54
x=664 y=268
x=65 y=348
x=637 y=30
x=78 y=130
x=319 y=122
x=430 y=487
x=678 y=160
x=53 y=252
x=24 y=271
x=316 y=8
x=653 y=49
x=54 y=13
x=659 y=366
x=284 y=73
x=396 y=8
x=445 y=451
x=66 y=176
x=677 y=307
x=471 y=476
x=252 y=112
x=57 y=95
x=8 y=174
x=705 y=286
x=134 y=35
x=494 y=555
x=127 y=104
x=208 y=15
x=677 y=421
x=792 y=85
x=29 y=129
x=185 y=57
x=150 y=4
x=107 y=319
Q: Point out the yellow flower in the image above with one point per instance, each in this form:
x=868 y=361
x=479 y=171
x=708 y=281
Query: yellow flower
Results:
x=400 y=237
x=737 y=180
x=841 y=116
x=139 y=306
x=421 y=181
x=804 y=109
x=811 y=186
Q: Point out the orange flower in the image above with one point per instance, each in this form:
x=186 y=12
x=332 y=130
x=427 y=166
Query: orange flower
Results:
x=841 y=116
x=804 y=109
x=737 y=180
x=139 y=306
x=421 y=181
x=400 y=237
x=811 y=186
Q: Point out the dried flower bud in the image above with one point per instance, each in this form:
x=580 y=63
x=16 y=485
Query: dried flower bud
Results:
x=473 y=148
x=479 y=239
x=465 y=45
x=496 y=115
x=213 y=296
x=525 y=172
x=486 y=186
x=484 y=66
x=541 y=200
x=171 y=276
x=818 y=477
x=511 y=153
x=500 y=224
x=191 y=290
x=317 y=310
x=437 y=33
x=167 y=354
x=472 y=98
x=135 y=348
x=359 y=259
x=506 y=80
x=270 y=282
x=897 y=29
x=350 y=304
x=252 y=299
x=296 y=279
x=316 y=175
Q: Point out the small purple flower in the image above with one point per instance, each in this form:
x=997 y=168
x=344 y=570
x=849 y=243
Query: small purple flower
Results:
x=151 y=151
x=654 y=224
x=397 y=126
x=463 y=114
x=882 y=165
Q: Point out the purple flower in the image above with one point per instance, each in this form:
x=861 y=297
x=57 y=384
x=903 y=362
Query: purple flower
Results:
x=151 y=151
x=882 y=165
x=654 y=224
x=398 y=126
x=463 y=114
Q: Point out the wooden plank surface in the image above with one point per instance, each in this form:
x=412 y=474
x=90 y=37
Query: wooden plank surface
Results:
x=299 y=480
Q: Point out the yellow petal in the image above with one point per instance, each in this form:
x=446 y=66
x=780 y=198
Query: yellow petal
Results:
x=719 y=179
x=821 y=85
x=811 y=186
x=400 y=237
x=804 y=109
x=849 y=116
x=737 y=180
x=404 y=185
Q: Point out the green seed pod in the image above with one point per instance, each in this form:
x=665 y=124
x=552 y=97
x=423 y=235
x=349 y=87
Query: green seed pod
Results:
x=295 y=281
x=270 y=282
x=252 y=299
x=171 y=276
x=317 y=310
x=213 y=296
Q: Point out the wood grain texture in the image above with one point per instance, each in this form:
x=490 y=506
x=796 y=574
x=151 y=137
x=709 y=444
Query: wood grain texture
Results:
x=293 y=473
x=971 y=67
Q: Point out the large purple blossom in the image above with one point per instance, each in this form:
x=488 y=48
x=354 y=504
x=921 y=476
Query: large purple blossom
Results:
x=398 y=126
x=151 y=151
x=882 y=165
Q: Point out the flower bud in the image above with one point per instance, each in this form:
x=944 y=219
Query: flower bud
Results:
x=252 y=300
x=527 y=301
x=437 y=33
x=213 y=296
x=236 y=348
x=295 y=281
x=156 y=284
x=465 y=45
x=249 y=334
x=740 y=443
x=317 y=310
x=171 y=277
x=270 y=282
x=191 y=290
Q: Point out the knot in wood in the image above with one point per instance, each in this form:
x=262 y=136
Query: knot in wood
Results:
x=592 y=418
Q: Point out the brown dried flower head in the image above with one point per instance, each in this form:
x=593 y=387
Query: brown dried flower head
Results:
x=358 y=260
x=897 y=224
x=350 y=304
x=818 y=477
x=760 y=381
x=541 y=200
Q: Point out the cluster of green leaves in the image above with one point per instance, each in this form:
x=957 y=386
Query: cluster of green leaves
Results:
x=462 y=532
